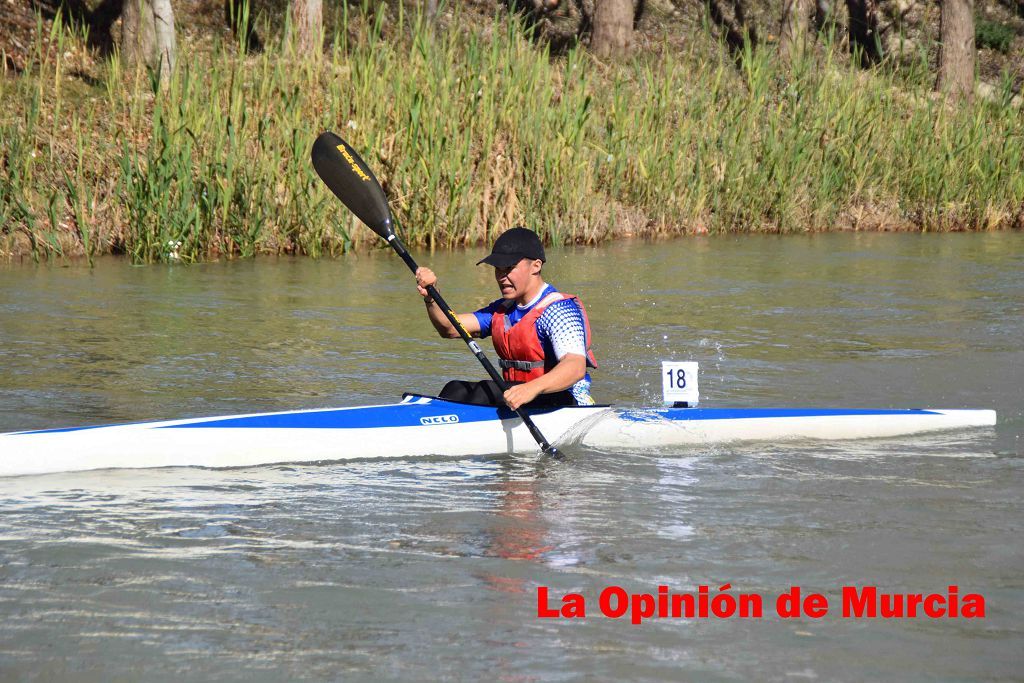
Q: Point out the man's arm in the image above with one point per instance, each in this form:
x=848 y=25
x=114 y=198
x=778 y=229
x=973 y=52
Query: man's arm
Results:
x=571 y=369
x=424 y=278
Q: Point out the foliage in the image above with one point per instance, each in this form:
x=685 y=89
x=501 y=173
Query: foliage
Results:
x=472 y=132
x=993 y=35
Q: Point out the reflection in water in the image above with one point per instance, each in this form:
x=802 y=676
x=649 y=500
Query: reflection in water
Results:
x=521 y=528
x=517 y=532
x=677 y=477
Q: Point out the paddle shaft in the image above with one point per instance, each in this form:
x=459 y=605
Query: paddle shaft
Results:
x=400 y=249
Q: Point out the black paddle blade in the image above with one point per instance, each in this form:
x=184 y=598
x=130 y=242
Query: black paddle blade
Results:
x=352 y=181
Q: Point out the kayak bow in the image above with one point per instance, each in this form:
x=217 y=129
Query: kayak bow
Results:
x=424 y=425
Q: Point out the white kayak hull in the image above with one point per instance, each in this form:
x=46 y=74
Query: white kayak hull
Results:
x=421 y=426
x=687 y=426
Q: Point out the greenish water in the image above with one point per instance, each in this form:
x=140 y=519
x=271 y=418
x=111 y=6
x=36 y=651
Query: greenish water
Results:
x=428 y=568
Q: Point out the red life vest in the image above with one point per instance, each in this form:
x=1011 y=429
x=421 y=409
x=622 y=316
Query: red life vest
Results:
x=518 y=346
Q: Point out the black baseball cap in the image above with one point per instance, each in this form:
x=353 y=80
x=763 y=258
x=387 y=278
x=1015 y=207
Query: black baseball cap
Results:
x=512 y=246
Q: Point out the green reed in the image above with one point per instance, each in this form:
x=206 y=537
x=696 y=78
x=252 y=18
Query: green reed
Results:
x=472 y=132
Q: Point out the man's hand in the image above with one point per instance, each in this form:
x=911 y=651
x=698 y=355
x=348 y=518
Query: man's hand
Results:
x=571 y=369
x=424 y=278
x=521 y=394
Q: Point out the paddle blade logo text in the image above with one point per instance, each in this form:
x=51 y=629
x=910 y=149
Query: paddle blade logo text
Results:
x=352 y=162
x=439 y=420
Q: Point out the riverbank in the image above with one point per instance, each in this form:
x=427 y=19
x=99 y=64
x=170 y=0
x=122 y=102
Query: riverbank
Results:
x=473 y=131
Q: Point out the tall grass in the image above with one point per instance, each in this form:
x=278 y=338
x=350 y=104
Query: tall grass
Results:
x=472 y=132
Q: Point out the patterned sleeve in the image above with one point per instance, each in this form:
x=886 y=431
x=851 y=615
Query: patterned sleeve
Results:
x=562 y=324
x=483 y=316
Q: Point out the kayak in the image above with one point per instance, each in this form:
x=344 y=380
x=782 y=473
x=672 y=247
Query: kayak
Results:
x=426 y=425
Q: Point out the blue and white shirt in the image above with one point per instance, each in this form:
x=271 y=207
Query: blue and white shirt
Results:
x=560 y=328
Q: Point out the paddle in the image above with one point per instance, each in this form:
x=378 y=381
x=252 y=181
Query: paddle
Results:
x=352 y=181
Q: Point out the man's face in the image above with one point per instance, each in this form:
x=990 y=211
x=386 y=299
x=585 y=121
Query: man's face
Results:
x=514 y=281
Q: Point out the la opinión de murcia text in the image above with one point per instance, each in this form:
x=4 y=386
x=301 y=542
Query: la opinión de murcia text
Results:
x=855 y=602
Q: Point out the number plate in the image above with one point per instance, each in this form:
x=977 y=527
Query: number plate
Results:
x=679 y=382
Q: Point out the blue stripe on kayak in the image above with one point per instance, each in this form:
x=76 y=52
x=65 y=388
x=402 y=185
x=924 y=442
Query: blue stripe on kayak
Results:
x=690 y=414
x=61 y=429
x=437 y=412
x=362 y=418
x=371 y=417
x=407 y=414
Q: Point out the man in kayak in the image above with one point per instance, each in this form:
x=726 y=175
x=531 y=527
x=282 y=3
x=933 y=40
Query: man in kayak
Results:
x=541 y=335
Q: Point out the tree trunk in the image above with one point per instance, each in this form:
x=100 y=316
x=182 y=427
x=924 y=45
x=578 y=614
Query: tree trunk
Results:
x=613 y=27
x=307 y=22
x=793 y=35
x=863 y=27
x=138 y=33
x=956 y=54
x=737 y=33
x=101 y=21
x=166 y=48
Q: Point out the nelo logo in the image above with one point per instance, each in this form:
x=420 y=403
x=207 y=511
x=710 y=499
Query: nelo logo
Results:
x=439 y=420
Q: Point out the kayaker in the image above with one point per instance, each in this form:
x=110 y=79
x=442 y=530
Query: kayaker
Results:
x=541 y=336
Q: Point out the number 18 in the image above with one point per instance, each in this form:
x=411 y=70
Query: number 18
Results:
x=677 y=378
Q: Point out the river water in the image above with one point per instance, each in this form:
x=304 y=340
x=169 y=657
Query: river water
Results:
x=429 y=569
